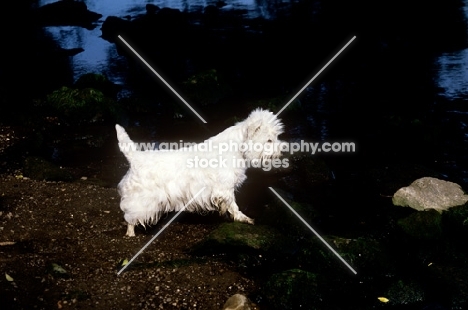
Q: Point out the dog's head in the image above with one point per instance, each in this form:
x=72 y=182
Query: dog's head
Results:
x=261 y=131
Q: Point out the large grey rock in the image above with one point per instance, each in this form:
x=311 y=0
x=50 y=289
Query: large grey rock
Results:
x=430 y=193
x=237 y=302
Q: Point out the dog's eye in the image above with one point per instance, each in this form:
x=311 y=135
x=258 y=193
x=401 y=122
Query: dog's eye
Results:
x=269 y=141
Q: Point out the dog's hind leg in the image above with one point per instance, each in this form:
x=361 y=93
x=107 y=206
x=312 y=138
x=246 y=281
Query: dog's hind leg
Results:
x=130 y=230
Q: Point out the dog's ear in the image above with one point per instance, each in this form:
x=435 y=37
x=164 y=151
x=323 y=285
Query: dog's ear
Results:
x=253 y=128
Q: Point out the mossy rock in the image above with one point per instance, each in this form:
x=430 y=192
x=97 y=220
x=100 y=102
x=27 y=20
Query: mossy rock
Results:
x=293 y=289
x=405 y=292
x=97 y=81
x=206 y=87
x=81 y=105
x=237 y=234
x=246 y=246
x=40 y=169
x=450 y=279
x=365 y=255
x=423 y=225
x=455 y=219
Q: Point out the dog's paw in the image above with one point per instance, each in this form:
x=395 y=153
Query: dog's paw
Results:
x=241 y=217
x=250 y=221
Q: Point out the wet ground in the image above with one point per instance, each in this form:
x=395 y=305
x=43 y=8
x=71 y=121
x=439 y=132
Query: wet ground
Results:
x=79 y=227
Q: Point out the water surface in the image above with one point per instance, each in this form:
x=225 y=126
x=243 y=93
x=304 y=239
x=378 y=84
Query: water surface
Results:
x=100 y=56
x=452 y=75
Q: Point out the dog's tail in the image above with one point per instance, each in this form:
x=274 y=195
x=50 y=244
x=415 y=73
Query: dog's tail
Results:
x=126 y=145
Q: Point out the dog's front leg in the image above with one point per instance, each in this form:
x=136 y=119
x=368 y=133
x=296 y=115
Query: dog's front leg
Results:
x=237 y=215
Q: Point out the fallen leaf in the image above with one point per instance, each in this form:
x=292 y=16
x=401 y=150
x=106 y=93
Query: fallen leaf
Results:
x=3 y=243
x=9 y=279
x=125 y=262
x=58 y=268
x=383 y=299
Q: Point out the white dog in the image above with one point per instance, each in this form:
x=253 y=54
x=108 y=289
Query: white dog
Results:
x=166 y=180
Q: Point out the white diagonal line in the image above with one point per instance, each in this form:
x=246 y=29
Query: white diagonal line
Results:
x=310 y=227
x=163 y=80
x=159 y=232
x=315 y=76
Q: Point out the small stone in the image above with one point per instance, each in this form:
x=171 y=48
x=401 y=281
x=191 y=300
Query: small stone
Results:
x=237 y=302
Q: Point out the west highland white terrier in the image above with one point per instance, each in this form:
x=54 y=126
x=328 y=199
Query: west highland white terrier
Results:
x=161 y=181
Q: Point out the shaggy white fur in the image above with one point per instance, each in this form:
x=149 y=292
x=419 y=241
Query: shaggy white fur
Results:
x=164 y=181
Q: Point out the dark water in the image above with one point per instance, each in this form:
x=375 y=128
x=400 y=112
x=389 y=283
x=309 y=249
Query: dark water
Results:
x=452 y=79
